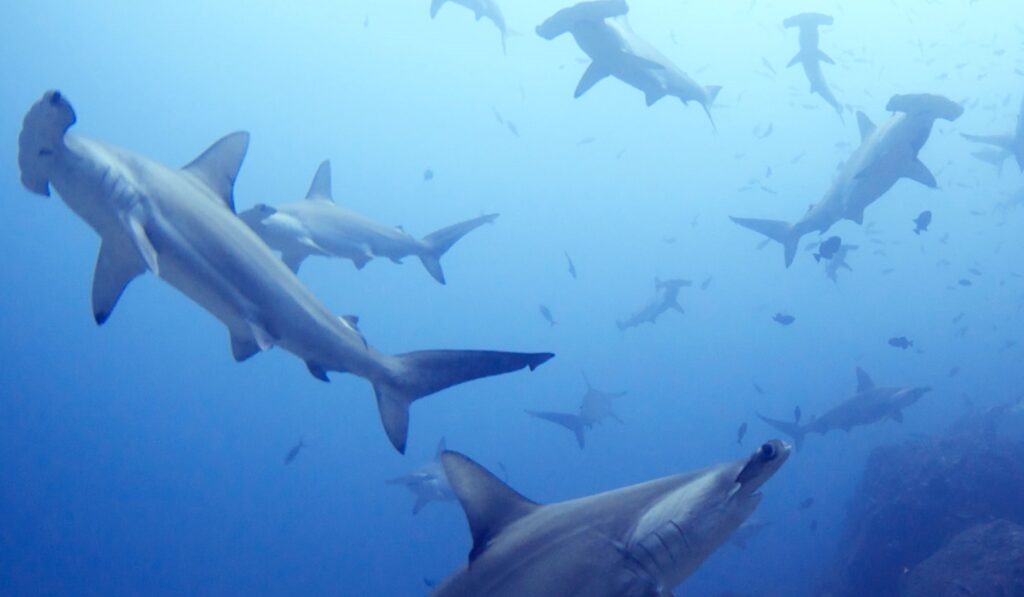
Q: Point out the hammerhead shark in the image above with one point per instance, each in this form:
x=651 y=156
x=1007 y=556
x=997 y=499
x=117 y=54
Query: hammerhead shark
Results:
x=481 y=9
x=601 y=30
x=869 y=405
x=811 y=57
x=181 y=226
x=316 y=225
x=428 y=483
x=886 y=154
x=637 y=541
x=596 y=407
x=666 y=296
x=1006 y=145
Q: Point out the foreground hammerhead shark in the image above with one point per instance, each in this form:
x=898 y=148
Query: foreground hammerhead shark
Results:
x=481 y=9
x=181 y=225
x=886 y=154
x=1007 y=145
x=428 y=483
x=666 y=296
x=869 y=405
x=601 y=30
x=811 y=57
x=318 y=226
x=596 y=407
x=637 y=541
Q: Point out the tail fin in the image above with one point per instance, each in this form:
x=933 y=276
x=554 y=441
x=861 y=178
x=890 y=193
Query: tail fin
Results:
x=437 y=243
x=425 y=372
x=574 y=423
x=793 y=430
x=435 y=5
x=777 y=230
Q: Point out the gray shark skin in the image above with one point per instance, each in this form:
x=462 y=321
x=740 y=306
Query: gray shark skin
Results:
x=811 y=57
x=601 y=30
x=869 y=405
x=481 y=9
x=595 y=408
x=317 y=225
x=886 y=154
x=180 y=225
x=1011 y=144
x=637 y=541
x=666 y=297
x=429 y=483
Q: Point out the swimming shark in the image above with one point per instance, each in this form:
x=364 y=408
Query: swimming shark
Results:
x=637 y=541
x=886 y=154
x=870 y=404
x=481 y=9
x=1007 y=145
x=428 y=483
x=596 y=407
x=811 y=57
x=180 y=225
x=317 y=225
x=602 y=31
x=666 y=296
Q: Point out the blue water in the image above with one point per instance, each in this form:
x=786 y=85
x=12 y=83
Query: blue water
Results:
x=138 y=458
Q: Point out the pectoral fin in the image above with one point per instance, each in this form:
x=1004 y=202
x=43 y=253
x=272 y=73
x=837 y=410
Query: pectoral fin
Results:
x=916 y=170
x=593 y=74
x=116 y=266
x=243 y=347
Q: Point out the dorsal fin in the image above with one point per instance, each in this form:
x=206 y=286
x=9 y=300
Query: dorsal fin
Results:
x=866 y=126
x=864 y=382
x=218 y=166
x=489 y=504
x=321 y=186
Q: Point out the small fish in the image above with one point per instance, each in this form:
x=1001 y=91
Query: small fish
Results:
x=806 y=504
x=512 y=128
x=783 y=318
x=922 y=221
x=706 y=283
x=741 y=433
x=586 y=141
x=767 y=131
x=768 y=65
x=759 y=389
x=964 y=282
x=294 y=452
x=900 y=342
x=954 y=371
x=546 y=314
x=572 y=266
x=797 y=414
x=428 y=175
x=828 y=248
x=814 y=525
x=974 y=271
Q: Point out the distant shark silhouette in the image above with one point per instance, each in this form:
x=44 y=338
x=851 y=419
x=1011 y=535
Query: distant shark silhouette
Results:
x=428 y=483
x=318 y=226
x=666 y=296
x=640 y=540
x=1007 y=145
x=869 y=405
x=601 y=30
x=481 y=9
x=596 y=407
x=811 y=57
x=886 y=154
x=181 y=225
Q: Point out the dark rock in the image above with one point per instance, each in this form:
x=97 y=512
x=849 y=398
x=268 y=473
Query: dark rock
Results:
x=916 y=496
x=986 y=559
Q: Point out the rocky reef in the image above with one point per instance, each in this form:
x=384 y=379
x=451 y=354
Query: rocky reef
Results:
x=937 y=510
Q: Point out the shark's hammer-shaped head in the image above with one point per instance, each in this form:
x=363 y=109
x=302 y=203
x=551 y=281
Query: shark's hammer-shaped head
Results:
x=41 y=138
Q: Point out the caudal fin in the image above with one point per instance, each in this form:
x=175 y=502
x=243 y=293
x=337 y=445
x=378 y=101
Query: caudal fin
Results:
x=425 y=372
x=437 y=243
x=574 y=423
x=777 y=230
x=793 y=430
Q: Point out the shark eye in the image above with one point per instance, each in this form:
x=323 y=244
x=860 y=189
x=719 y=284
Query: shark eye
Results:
x=768 y=453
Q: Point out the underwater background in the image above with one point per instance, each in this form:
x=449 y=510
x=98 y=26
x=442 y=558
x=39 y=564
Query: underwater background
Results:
x=138 y=458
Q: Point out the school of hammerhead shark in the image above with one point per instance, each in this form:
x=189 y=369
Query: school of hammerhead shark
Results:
x=643 y=540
